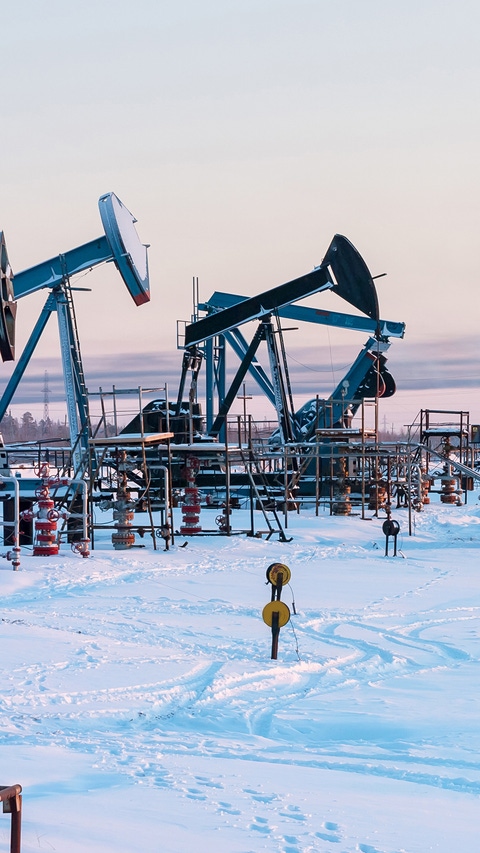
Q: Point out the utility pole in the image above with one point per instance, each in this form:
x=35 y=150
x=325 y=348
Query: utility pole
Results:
x=46 y=400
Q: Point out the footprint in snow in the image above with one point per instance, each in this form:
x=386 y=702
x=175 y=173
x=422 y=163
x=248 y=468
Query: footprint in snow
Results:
x=264 y=798
x=328 y=836
x=260 y=824
x=260 y=798
x=227 y=808
x=195 y=794
x=208 y=783
x=294 y=813
x=331 y=834
x=291 y=844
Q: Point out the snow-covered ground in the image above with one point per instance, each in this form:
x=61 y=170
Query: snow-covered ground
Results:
x=141 y=710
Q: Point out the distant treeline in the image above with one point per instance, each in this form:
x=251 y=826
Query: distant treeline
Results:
x=27 y=428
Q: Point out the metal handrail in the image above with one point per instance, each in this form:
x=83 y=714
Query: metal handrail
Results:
x=11 y=797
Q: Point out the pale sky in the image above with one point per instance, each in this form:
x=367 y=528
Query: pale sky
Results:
x=243 y=135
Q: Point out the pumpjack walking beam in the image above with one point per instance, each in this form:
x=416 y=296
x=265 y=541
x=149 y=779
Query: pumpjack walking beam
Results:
x=258 y=306
x=342 y=269
x=302 y=313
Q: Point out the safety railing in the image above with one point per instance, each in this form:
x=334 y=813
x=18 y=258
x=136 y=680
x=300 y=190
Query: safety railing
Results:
x=11 y=797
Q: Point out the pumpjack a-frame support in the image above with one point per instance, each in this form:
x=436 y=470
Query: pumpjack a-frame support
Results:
x=119 y=244
x=279 y=385
x=60 y=300
x=215 y=360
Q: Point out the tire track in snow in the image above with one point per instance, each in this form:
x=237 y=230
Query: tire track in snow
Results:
x=236 y=692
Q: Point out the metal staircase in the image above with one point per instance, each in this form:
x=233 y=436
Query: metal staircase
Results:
x=264 y=498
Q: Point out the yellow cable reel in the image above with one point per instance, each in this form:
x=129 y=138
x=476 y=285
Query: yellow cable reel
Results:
x=275 y=569
x=276 y=607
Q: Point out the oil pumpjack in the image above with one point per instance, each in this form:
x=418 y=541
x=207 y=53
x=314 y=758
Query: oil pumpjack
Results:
x=342 y=271
x=120 y=244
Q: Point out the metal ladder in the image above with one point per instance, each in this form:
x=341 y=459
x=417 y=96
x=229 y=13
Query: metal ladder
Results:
x=75 y=386
x=266 y=501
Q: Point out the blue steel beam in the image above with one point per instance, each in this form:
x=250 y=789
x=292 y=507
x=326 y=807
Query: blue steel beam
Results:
x=52 y=272
x=240 y=348
x=227 y=399
x=387 y=328
x=342 y=269
x=346 y=394
x=349 y=385
x=345 y=399
x=120 y=244
x=209 y=381
x=256 y=307
x=22 y=363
